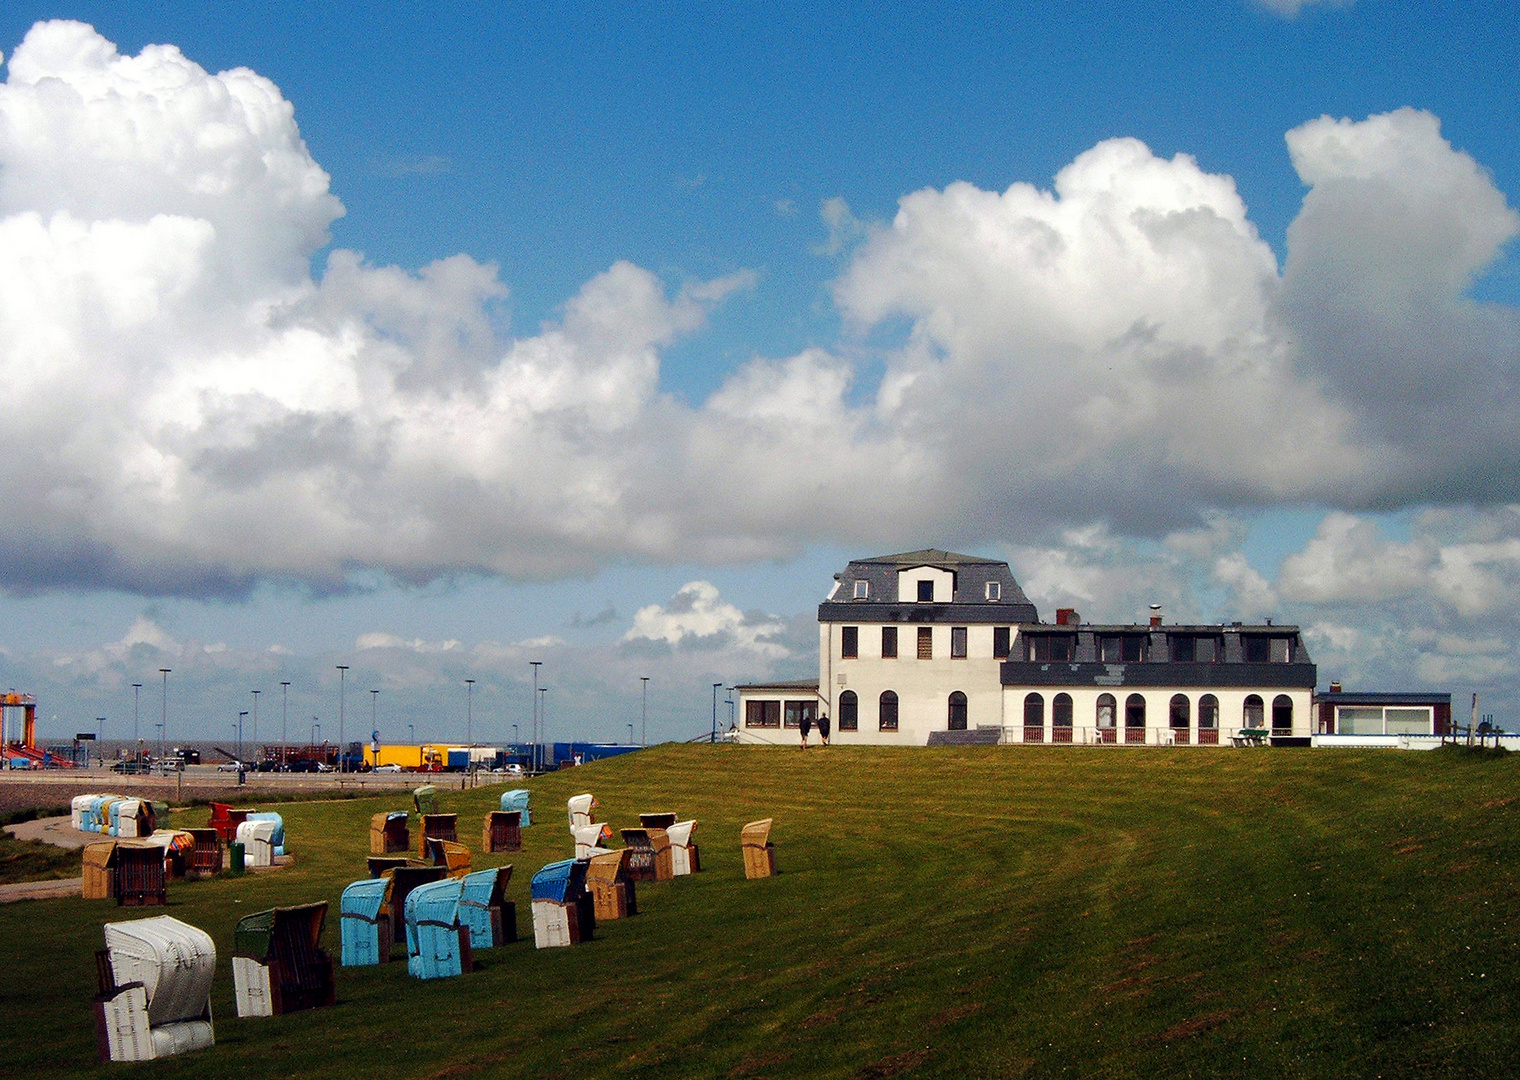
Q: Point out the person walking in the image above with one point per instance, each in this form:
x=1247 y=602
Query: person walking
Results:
x=807 y=725
x=823 y=729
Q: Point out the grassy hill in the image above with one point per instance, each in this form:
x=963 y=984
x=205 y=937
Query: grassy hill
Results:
x=987 y=912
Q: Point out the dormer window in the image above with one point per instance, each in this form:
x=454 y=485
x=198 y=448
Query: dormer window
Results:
x=862 y=590
x=994 y=590
x=925 y=592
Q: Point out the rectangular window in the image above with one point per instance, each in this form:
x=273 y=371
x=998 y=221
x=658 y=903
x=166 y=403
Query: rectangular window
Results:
x=994 y=590
x=1359 y=721
x=762 y=714
x=1122 y=649
x=862 y=590
x=925 y=643
x=1184 y=648
x=1001 y=636
x=888 y=642
x=958 y=642
x=1206 y=650
x=1256 y=649
x=1051 y=648
x=796 y=710
x=925 y=591
x=849 y=642
x=1282 y=650
x=1408 y=722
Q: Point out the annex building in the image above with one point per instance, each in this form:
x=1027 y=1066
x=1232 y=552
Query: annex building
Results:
x=914 y=645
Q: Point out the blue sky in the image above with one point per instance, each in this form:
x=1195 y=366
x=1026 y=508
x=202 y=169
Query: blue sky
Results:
x=747 y=167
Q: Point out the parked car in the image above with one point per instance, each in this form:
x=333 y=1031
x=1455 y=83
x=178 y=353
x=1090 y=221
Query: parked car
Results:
x=392 y=767
x=232 y=766
x=270 y=765
x=323 y=766
x=303 y=765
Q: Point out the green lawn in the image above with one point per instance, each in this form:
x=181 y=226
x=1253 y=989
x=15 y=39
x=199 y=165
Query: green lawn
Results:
x=967 y=912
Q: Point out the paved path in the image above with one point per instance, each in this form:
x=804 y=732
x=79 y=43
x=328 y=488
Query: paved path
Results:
x=58 y=831
x=41 y=890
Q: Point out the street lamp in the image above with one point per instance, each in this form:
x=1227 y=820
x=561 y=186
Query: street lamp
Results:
x=411 y=733
x=374 y=723
x=163 y=724
x=630 y=734
x=100 y=739
x=644 y=713
x=136 y=703
x=284 y=717
x=240 y=737
x=469 y=726
x=316 y=729
x=716 y=687
x=543 y=725
x=535 y=665
x=342 y=677
x=514 y=738
x=256 y=694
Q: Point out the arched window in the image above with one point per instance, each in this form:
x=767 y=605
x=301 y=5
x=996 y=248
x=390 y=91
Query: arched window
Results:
x=849 y=711
x=1282 y=714
x=1253 y=715
x=1107 y=707
x=1034 y=718
x=957 y=711
x=1034 y=710
x=1134 y=718
x=1060 y=711
x=1180 y=713
x=1208 y=712
x=887 y=711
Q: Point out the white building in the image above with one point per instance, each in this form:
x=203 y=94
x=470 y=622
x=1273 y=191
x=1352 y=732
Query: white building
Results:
x=916 y=646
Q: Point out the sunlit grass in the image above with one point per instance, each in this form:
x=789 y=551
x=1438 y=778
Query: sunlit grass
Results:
x=956 y=911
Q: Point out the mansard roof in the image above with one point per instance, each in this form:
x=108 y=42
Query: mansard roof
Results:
x=968 y=605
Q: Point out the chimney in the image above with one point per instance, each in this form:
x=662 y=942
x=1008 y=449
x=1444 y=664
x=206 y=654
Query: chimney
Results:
x=1335 y=686
x=1067 y=617
x=1155 y=614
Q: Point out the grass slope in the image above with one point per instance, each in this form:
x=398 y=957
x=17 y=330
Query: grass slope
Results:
x=982 y=912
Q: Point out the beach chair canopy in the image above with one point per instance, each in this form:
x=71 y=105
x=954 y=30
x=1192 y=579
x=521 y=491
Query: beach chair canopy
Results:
x=581 y=807
x=560 y=882
x=360 y=912
x=435 y=945
x=603 y=867
x=517 y=799
x=277 y=838
x=174 y=961
x=680 y=832
x=480 y=894
x=590 y=836
x=756 y=833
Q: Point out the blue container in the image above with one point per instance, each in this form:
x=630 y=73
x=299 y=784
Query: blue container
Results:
x=561 y=882
x=517 y=800
x=459 y=759
x=433 y=946
x=360 y=913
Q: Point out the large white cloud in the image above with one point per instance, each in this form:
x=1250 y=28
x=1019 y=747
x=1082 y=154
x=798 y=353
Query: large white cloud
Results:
x=198 y=412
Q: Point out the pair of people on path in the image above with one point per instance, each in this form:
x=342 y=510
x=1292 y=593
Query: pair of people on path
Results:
x=823 y=729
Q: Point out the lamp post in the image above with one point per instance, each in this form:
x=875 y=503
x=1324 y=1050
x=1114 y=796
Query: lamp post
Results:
x=316 y=729
x=342 y=678
x=535 y=665
x=469 y=727
x=411 y=733
x=240 y=737
x=644 y=712
x=543 y=723
x=716 y=687
x=630 y=734
x=136 y=704
x=514 y=738
x=284 y=718
x=256 y=694
x=100 y=739
x=163 y=724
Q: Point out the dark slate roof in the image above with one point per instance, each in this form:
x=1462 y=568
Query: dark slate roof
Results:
x=969 y=604
x=1342 y=697
x=1230 y=668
